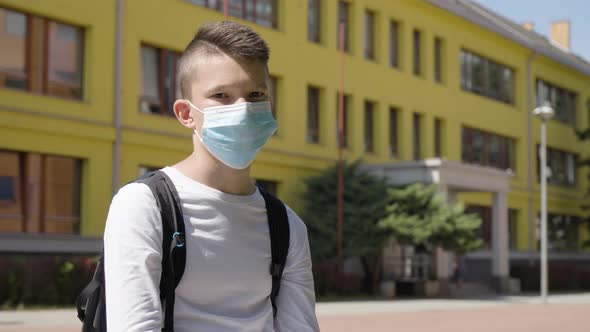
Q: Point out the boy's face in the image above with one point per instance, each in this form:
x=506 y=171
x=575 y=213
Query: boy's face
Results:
x=220 y=80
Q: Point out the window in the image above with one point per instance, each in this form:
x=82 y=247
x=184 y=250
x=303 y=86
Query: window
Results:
x=13 y=42
x=438 y=46
x=369 y=39
x=487 y=149
x=11 y=202
x=394 y=44
x=563 y=232
x=417 y=53
x=15 y=23
x=343 y=17
x=393 y=131
x=273 y=90
x=417 y=136
x=562 y=100
x=486 y=77
x=7 y=189
x=64 y=63
x=562 y=166
x=314 y=15
x=61 y=195
x=313 y=115
x=369 y=126
x=485 y=230
x=213 y=4
x=270 y=186
x=512 y=229
x=159 y=88
x=438 y=137
x=51 y=201
x=262 y=12
x=56 y=68
x=344 y=143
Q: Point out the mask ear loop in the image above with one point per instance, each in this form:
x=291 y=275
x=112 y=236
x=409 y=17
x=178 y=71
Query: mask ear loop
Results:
x=196 y=108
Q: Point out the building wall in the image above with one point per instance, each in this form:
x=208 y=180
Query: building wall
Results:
x=85 y=129
x=79 y=129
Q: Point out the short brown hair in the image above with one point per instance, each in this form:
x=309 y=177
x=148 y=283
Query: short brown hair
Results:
x=235 y=40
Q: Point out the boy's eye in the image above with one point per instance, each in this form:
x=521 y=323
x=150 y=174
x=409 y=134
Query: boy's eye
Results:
x=219 y=95
x=257 y=94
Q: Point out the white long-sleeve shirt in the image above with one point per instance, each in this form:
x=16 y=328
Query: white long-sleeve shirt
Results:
x=226 y=282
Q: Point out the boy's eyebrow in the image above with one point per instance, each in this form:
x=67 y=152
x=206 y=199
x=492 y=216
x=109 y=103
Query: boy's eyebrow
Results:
x=259 y=85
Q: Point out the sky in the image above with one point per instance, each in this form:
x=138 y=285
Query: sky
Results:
x=543 y=12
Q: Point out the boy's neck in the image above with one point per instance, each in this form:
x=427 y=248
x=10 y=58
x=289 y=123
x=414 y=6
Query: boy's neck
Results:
x=210 y=172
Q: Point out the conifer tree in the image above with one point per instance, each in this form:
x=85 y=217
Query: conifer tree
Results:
x=364 y=206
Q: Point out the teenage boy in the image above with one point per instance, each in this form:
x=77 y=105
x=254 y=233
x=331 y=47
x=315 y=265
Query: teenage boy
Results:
x=224 y=77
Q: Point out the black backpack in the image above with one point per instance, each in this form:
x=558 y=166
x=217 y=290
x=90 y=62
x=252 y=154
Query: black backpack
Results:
x=91 y=305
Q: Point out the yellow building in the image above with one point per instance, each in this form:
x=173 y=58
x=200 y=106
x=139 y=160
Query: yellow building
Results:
x=86 y=90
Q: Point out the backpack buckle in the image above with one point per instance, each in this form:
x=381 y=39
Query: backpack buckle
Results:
x=178 y=239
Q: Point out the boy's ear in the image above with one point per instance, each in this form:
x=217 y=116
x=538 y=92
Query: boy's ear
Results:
x=183 y=113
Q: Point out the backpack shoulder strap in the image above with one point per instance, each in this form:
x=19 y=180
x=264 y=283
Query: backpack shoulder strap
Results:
x=278 y=224
x=173 y=244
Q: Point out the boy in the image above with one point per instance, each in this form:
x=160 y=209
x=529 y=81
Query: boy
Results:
x=223 y=76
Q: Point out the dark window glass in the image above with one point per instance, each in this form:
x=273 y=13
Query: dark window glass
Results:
x=159 y=88
x=343 y=17
x=369 y=124
x=56 y=68
x=150 y=101
x=262 y=12
x=65 y=61
x=512 y=229
x=313 y=115
x=417 y=53
x=314 y=20
x=61 y=195
x=345 y=106
x=485 y=230
x=487 y=149
x=7 y=188
x=394 y=44
x=562 y=167
x=438 y=139
x=486 y=77
x=369 y=40
x=562 y=100
x=417 y=136
x=13 y=43
x=438 y=59
x=393 y=131
x=562 y=232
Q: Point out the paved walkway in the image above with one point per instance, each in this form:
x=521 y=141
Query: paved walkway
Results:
x=564 y=313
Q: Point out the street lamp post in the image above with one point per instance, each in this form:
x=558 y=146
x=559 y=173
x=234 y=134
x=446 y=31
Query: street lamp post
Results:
x=544 y=112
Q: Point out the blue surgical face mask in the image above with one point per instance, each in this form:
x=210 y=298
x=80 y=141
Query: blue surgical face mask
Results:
x=235 y=133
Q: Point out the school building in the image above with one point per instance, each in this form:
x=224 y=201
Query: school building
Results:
x=438 y=91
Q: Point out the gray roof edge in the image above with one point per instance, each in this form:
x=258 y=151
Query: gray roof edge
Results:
x=553 y=53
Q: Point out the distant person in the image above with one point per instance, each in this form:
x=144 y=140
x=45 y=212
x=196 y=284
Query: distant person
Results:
x=458 y=270
x=224 y=80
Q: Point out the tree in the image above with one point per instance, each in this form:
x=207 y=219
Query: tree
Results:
x=418 y=215
x=584 y=135
x=364 y=206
